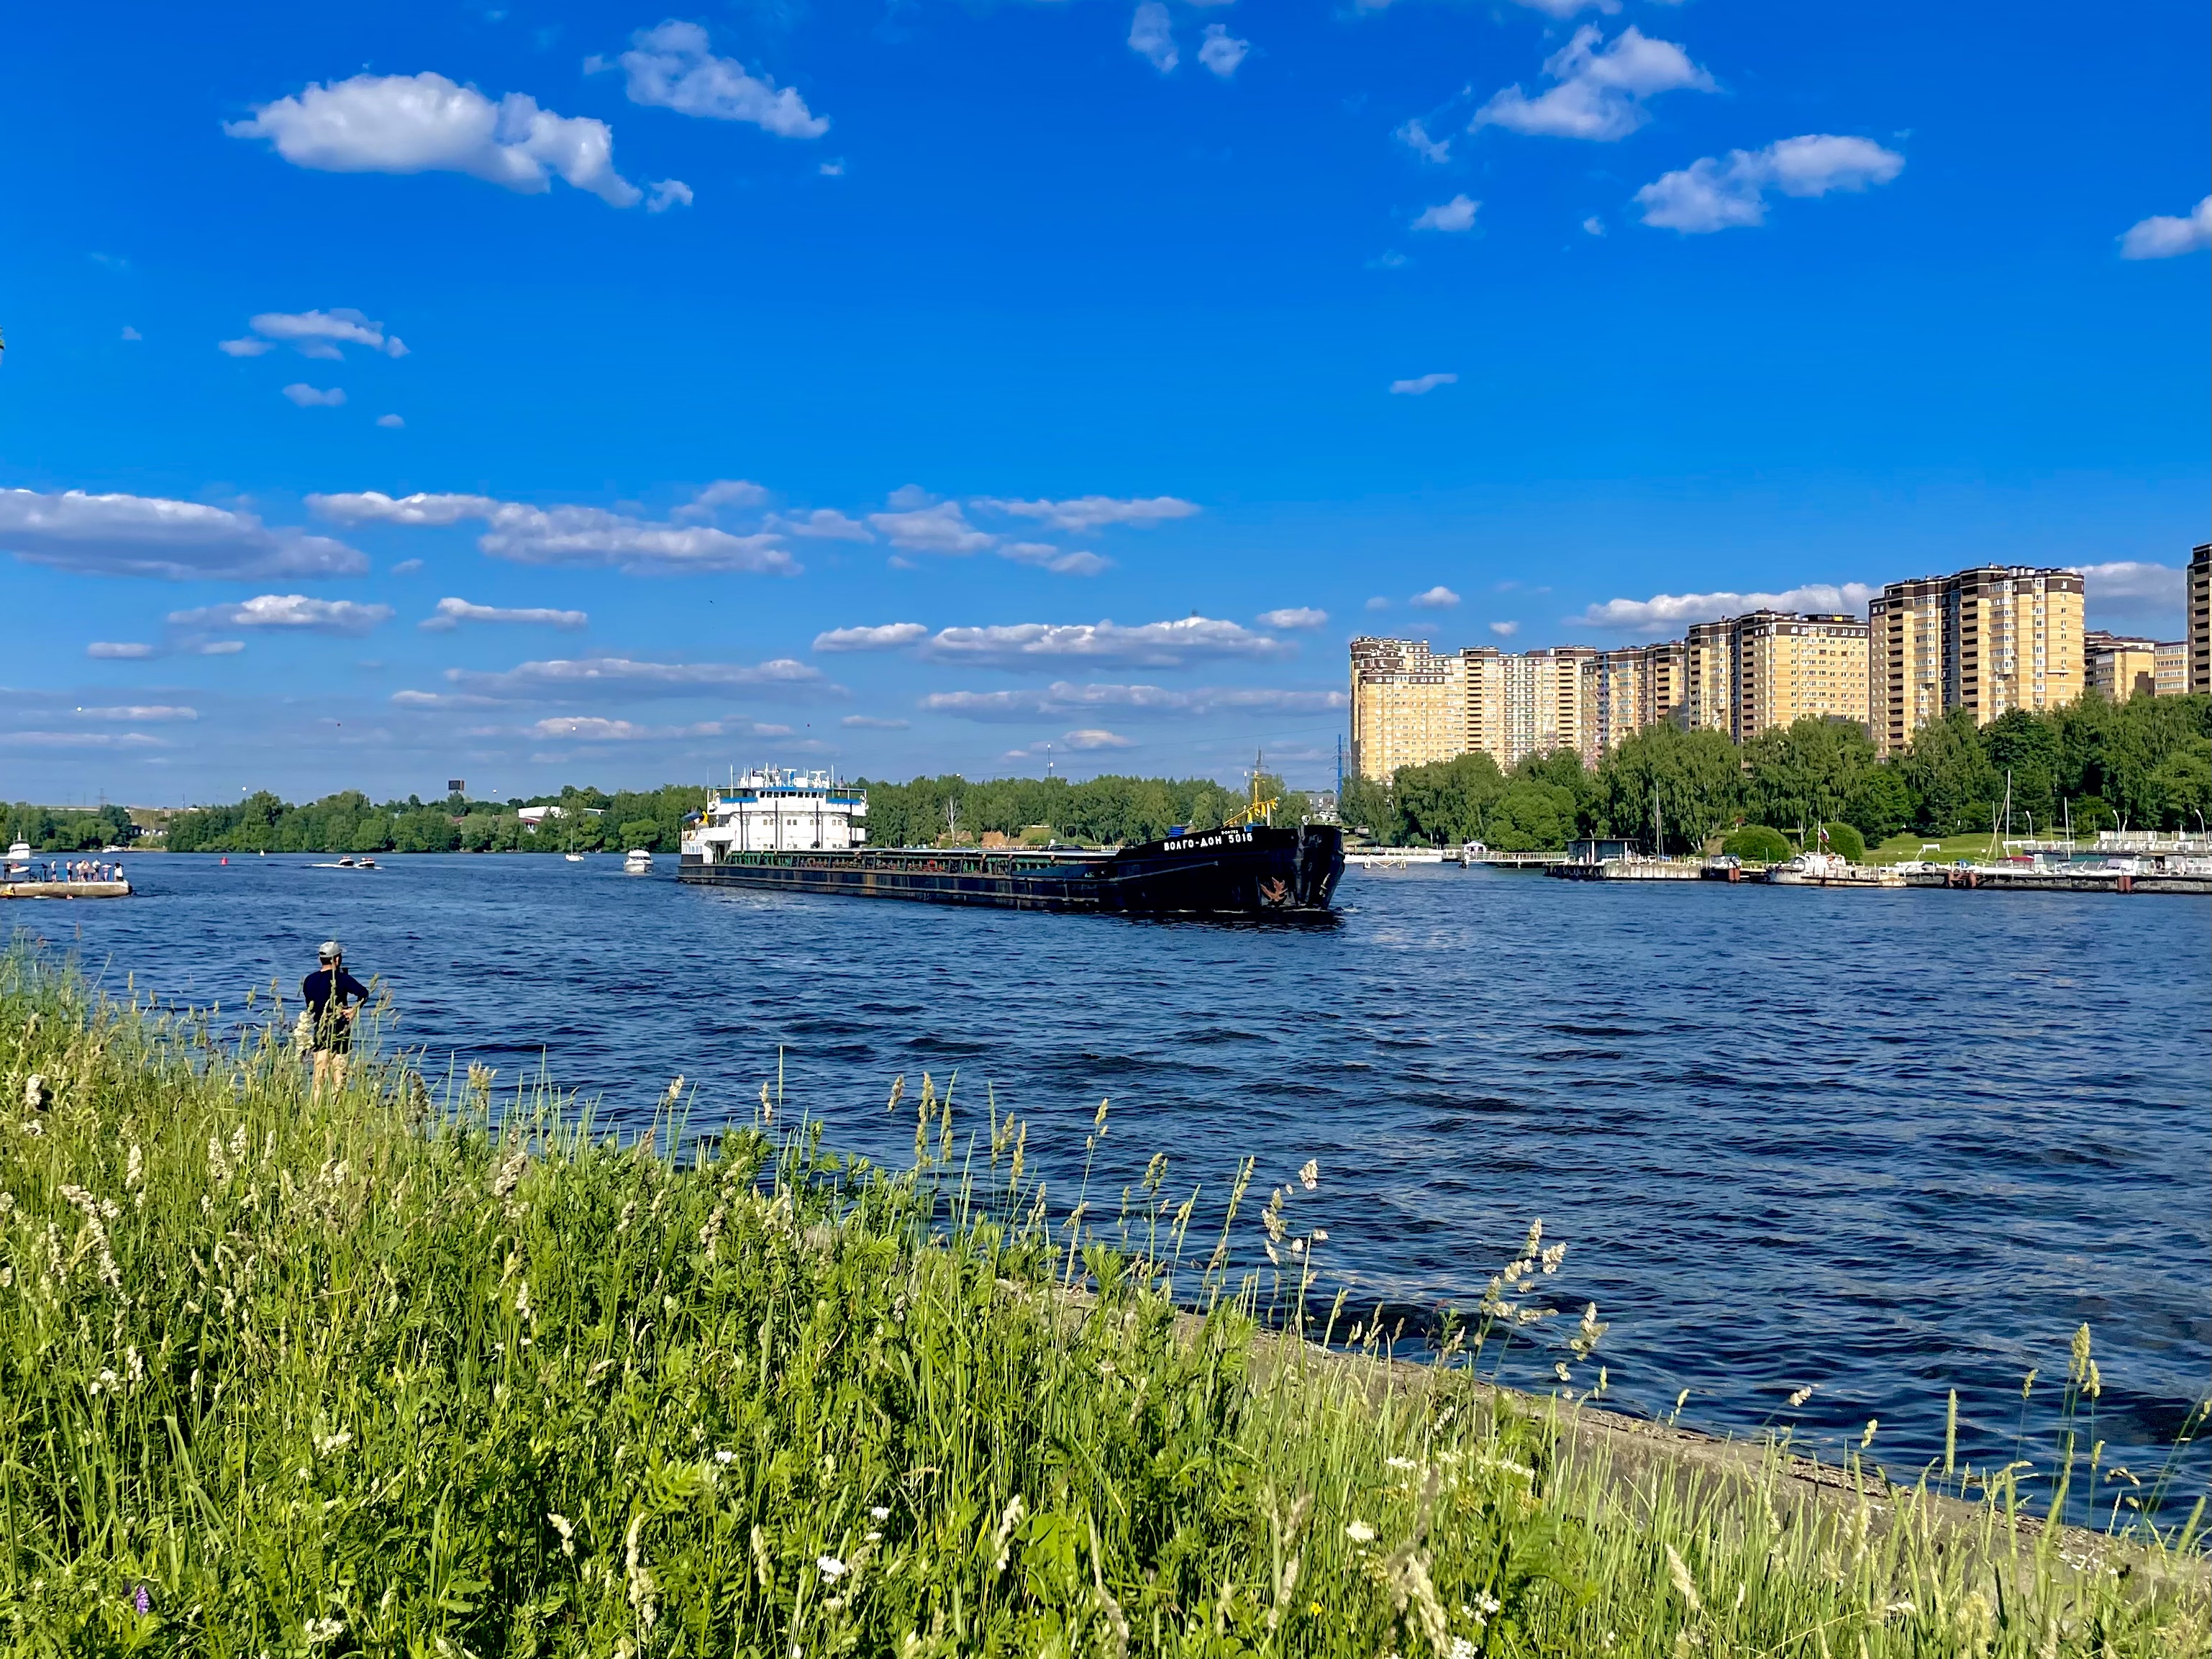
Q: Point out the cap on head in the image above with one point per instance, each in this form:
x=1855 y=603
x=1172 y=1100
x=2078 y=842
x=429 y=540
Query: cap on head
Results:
x=328 y=950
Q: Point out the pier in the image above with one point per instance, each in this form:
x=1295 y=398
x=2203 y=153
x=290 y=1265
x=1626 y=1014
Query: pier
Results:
x=64 y=890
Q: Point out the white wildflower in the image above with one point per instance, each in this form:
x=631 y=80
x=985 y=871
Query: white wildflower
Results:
x=880 y=1513
x=1801 y=1396
x=1552 y=1256
x=134 y=1368
x=327 y=1443
x=134 y=1172
x=562 y=1525
x=1359 y=1531
x=725 y=1457
x=34 y=1093
x=321 y=1632
x=218 y=1166
x=1400 y=1463
x=830 y=1567
x=1309 y=1176
x=510 y=1174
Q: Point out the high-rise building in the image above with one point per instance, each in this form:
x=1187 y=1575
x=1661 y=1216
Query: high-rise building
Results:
x=1992 y=639
x=1544 y=705
x=2200 y=617
x=1709 y=677
x=1624 y=691
x=1790 y=668
x=1404 y=712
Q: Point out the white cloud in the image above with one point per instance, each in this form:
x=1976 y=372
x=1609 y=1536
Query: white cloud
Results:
x=1223 y=52
x=1414 y=136
x=1505 y=630
x=1457 y=215
x=1046 y=557
x=452 y=613
x=1094 y=737
x=314 y=334
x=723 y=492
x=2162 y=235
x=832 y=169
x=393 y=423
x=666 y=193
x=1669 y=611
x=1063 y=697
x=937 y=529
x=592 y=675
x=119 y=651
x=823 y=523
x=1161 y=644
x=149 y=535
x=427 y=124
x=1598 y=94
x=871 y=723
x=308 y=396
x=406 y=567
x=589 y=728
x=158 y=711
x=887 y=636
x=1295 y=616
x=1594 y=226
x=672 y=66
x=1438 y=597
x=569 y=535
x=2133 y=579
x=1422 y=385
x=79 y=739
x=292 y=611
x=130 y=333
x=1378 y=603
x=1713 y=194
x=1093 y=512
x=214 y=648
x=1151 y=36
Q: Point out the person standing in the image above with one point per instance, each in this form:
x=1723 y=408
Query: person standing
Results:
x=330 y=1014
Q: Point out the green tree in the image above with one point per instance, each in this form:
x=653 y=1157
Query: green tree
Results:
x=1756 y=844
x=1843 y=840
x=1879 y=804
x=1531 y=816
x=1953 y=787
x=1695 y=778
x=1804 y=773
x=1367 y=805
x=1447 y=801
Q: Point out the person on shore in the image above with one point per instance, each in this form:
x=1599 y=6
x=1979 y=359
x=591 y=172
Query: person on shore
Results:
x=330 y=1015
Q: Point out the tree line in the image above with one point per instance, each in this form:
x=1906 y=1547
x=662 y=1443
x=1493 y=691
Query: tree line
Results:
x=2145 y=764
x=1099 y=811
x=64 y=829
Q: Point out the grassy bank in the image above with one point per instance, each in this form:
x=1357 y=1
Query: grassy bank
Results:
x=374 y=1374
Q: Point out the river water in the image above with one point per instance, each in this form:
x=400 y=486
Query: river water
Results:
x=1882 y=1143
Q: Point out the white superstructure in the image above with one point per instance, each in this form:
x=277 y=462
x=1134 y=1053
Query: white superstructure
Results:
x=779 y=810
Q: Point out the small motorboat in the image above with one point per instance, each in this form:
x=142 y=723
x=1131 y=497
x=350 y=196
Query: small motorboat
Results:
x=637 y=862
x=574 y=858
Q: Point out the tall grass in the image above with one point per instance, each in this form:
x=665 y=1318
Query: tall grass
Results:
x=394 y=1372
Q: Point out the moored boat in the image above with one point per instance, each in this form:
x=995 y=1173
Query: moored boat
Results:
x=637 y=862
x=801 y=832
x=1832 y=870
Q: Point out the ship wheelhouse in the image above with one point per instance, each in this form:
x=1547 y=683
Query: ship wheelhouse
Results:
x=778 y=810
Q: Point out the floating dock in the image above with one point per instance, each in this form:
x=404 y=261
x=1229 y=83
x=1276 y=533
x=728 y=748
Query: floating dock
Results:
x=64 y=890
x=1627 y=870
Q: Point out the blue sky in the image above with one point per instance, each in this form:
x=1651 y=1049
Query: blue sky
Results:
x=980 y=387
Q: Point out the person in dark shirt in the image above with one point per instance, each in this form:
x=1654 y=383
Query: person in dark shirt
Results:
x=326 y=991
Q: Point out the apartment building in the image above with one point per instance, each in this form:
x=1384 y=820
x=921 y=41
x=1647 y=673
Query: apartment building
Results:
x=1992 y=639
x=1709 y=657
x=1411 y=707
x=2120 y=666
x=1624 y=691
x=2170 y=668
x=1743 y=675
x=2200 y=617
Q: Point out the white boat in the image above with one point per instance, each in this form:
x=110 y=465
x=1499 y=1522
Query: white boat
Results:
x=574 y=858
x=1832 y=870
x=637 y=862
x=1393 y=858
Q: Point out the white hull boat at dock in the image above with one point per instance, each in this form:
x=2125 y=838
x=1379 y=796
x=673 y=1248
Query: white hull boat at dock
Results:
x=1832 y=870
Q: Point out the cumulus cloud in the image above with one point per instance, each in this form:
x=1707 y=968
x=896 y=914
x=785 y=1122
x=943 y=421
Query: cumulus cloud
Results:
x=1161 y=644
x=427 y=124
x=1721 y=194
x=589 y=728
x=452 y=613
x=293 y=612
x=393 y=423
x=2162 y=235
x=1663 y=611
x=157 y=711
x=1094 y=737
x=1438 y=597
x=1063 y=698
x=941 y=528
x=1457 y=215
x=119 y=651
x=1594 y=226
x=672 y=66
x=624 y=676
x=130 y=333
x=173 y=541
x=1414 y=136
x=1222 y=51
x=1151 y=36
x=569 y=535
x=887 y=636
x=1505 y=630
x=313 y=334
x=308 y=396
x=723 y=492
x=666 y=193
x=2134 y=579
x=1421 y=385
x=1093 y=512
x=1598 y=92
x=871 y=723
x=1295 y=616
x=823 y=523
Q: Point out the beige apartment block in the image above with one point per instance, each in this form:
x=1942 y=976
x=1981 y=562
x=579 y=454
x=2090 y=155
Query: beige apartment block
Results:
x=2120 y=666
x=1992 y=639
x=1624 y=691
x=1709 y=677
x=1404 y=711
x=1790 y=668
x=2170 y=668
x=2200 y=617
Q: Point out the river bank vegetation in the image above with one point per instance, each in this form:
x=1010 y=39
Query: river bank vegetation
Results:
x=2145 y=764
x=405 y=1370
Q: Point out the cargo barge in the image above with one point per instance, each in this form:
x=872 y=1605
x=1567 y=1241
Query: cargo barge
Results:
x=801 y=832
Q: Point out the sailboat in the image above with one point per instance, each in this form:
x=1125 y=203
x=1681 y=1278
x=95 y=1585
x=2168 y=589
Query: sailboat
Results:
x=572 y=854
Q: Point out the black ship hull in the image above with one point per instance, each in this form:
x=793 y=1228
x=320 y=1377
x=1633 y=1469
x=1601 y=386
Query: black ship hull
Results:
x=1257 y=872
